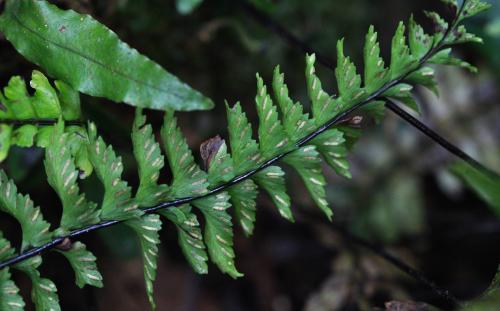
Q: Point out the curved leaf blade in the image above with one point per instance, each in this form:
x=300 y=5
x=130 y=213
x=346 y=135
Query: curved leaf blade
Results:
x=91 y=58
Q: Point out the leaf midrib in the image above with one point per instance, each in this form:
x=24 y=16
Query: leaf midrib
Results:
x=97 y=62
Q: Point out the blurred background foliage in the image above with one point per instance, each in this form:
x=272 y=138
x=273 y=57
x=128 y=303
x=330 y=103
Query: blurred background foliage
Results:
x=402 y=193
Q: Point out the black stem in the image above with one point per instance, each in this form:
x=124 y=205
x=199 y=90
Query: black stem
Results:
x=401 y=265
x=438 y=138
x=39 y=122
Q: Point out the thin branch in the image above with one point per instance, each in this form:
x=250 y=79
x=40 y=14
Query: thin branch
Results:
x=266 y=21
x=438 y=138
x=380 y=251
x=401 y=265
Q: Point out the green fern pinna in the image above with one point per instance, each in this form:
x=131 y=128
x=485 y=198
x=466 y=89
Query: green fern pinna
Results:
x=234 y=172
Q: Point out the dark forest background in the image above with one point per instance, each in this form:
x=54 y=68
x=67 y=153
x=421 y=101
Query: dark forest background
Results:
x=401 y=195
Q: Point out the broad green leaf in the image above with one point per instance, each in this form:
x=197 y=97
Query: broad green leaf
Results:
x=348 y=81
x=187 y=6
x=376 y=75
x=190 y=237
x=117 y=203
x=244 y=149
x=62 y=177
x=272 y=181
x=43 y=291
x=219 y=231
x=295 y=122
x=243 y=196
x=485 y=186
x=307 y=163
x=69 y=100
x=91 y=58
x=35 y=228
x=9 y=293
x=150 y=161
x=147 y=228
x=324 y=107
x=331 y=145
x=83 y=263
x=272 y=137
x=401 y=59
x=189 y=179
